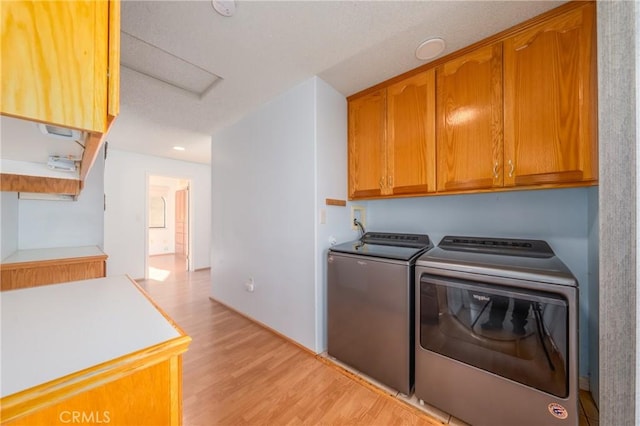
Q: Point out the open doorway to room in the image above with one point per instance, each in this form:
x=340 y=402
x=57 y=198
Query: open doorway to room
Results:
x=168 y=230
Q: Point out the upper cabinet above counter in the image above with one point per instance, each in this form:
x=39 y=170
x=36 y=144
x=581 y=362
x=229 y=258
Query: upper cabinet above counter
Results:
x=514 y=111
x=61 y=66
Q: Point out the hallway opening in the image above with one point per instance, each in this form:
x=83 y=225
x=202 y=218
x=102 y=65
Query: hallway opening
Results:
x=168 y=226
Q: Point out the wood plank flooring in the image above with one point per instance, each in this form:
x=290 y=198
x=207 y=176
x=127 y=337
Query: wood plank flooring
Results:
x=237 y=372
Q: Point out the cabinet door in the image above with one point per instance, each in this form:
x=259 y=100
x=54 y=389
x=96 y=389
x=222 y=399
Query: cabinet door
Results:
x=53 y=62
x=113 y=103
x=550 y=101
x=366 y=145
x=411 y=135
x=469 y=120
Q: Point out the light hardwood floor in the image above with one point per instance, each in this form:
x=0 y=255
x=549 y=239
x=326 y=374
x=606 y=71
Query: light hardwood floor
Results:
x=237 y=372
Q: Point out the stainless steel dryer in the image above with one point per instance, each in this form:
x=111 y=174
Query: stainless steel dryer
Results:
x=497 y=332
x=370 y=299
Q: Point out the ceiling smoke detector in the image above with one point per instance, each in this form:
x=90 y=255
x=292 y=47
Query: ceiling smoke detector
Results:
x=430 y=48
x=224 y=7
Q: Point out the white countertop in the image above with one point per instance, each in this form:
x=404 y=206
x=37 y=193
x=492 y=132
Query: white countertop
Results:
x=54 y=253
x=51 y=331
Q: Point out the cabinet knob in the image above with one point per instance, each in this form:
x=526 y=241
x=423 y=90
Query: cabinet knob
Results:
x=495 y=170
x=512 y=168
x=390 y=181
x=381 y=182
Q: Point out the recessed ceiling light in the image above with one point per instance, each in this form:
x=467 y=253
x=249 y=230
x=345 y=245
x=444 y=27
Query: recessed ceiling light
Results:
x=179 y=148
x=224 y=7
x=430 y=48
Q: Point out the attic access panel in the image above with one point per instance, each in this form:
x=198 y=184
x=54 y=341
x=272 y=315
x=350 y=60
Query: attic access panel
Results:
x=154 y=62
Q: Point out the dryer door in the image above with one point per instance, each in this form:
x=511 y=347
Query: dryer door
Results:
x=516 y=333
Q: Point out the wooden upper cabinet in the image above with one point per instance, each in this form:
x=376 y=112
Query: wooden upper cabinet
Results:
x=113 y=76
x=469 y=121
x=392 y=139
x=367 y=145
x=60 y=62
x=550 y=101
x=517 y=110
x=411 y=152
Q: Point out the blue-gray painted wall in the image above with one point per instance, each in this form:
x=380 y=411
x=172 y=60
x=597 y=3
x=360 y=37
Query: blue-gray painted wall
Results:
x=559 y=216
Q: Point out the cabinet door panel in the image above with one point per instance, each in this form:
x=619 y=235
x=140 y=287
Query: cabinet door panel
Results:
x=50 y=54
x=366 y=145
x=470 y=127
x=113 y=104
x=550 y=101
x=411 y=135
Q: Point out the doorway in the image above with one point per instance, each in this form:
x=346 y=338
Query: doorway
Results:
x=168 y=230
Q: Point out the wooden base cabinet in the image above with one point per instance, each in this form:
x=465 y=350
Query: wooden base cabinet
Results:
x=37 y=267
x=89 y=352
x=150 y=395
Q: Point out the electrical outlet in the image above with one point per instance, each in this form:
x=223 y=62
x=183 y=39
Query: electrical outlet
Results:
x=249 y=285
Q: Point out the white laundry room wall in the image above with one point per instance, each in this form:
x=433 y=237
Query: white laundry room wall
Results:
x=271 y=174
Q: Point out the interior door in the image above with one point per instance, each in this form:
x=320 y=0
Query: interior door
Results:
x=182 y=222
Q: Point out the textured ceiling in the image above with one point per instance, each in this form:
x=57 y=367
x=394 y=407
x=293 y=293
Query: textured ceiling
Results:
x=268 y=47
